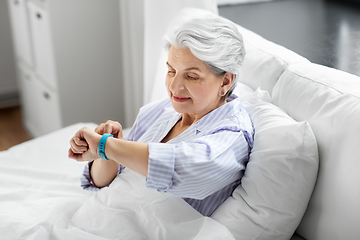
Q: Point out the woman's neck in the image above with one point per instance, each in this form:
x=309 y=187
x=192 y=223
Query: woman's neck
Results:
x=188 y=119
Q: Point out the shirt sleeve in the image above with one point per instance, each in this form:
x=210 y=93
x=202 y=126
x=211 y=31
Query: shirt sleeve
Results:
x=87 y=181
x=134 y=134
x=198 y=168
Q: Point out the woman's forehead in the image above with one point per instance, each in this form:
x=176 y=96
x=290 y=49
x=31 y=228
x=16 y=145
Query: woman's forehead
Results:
x=183 y=58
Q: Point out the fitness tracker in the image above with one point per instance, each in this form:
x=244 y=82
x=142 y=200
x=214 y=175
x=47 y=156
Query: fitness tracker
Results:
x=102 y=145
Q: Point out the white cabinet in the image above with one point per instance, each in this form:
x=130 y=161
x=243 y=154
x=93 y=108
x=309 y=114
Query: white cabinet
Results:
x=20 y=29
x=30 y=116
x=68 y=55
x=47 y=104
x=41 y=105
x=42 y=44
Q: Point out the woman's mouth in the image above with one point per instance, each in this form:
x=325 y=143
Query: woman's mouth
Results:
x=180 y=99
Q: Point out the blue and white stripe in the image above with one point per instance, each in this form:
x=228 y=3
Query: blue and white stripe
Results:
x=205 y=163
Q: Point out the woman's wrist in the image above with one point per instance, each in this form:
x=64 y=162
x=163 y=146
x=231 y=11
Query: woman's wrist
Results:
x=133 y=155
x=102 y=145
x=111 y=144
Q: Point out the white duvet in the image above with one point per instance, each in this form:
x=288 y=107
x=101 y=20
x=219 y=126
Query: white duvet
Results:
x=41 y=198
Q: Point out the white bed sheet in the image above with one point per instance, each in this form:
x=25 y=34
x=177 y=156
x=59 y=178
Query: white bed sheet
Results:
x=41 y=198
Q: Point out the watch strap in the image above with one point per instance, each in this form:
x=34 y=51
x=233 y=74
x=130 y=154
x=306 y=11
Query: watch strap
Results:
x=102 y=145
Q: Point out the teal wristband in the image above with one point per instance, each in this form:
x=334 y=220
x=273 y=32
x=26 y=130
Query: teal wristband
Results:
x=102 y=145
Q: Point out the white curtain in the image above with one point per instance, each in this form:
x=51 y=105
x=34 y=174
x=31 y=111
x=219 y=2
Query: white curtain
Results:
x=132 y=46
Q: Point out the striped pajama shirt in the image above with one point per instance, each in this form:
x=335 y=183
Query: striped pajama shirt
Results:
x=204 y=164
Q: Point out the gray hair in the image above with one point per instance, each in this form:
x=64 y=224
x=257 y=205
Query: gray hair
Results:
x=214 y=40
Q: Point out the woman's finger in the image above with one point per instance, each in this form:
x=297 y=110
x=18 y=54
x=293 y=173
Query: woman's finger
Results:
x=110 y=127
x=80 y=142
x=100 y=129
x=114 y=128
x=77 y=148
x=73 y=155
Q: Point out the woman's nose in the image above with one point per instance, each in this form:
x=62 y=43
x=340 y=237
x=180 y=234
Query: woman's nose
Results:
x=176 y=84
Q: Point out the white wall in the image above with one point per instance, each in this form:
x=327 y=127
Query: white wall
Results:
x=8 y=82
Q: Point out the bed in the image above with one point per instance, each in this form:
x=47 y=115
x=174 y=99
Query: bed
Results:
x=41 y=197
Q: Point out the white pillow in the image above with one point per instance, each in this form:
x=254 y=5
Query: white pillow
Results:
x=265 y=61
x=244 y=92
x=330 y=100
x=279 y=178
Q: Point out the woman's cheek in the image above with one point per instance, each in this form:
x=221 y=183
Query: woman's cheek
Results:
x=167 y=86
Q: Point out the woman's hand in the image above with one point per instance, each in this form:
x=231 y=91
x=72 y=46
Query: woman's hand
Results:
x=110 y=127
x=84 y=145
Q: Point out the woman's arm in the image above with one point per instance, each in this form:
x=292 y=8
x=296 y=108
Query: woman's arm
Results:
x=199 y=167
x=133 y=155
x=147 y=115
x=103 y=172
x=84 y=147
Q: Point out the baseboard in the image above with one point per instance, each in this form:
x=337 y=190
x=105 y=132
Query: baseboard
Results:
x=10 y=99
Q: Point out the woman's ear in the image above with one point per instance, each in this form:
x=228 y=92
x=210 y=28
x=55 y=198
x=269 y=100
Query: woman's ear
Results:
x=228 y=79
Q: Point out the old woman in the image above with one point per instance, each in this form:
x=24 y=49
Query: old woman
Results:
x=196 y=143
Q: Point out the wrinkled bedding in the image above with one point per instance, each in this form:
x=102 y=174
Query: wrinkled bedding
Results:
x=41 y=198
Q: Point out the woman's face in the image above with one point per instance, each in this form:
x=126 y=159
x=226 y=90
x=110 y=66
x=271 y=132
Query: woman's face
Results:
x=191 y=86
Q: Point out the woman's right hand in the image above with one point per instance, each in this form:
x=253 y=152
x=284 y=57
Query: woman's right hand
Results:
x=111 y=127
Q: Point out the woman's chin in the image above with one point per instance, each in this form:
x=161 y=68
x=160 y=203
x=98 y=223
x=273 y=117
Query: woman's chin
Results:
x=180 y=107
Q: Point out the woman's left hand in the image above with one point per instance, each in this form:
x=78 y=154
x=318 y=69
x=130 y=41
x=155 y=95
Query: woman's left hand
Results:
x=84 y=145
x=112 y=127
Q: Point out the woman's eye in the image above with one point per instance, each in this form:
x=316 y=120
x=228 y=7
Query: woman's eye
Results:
x=192 y=77
x=170 y=72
